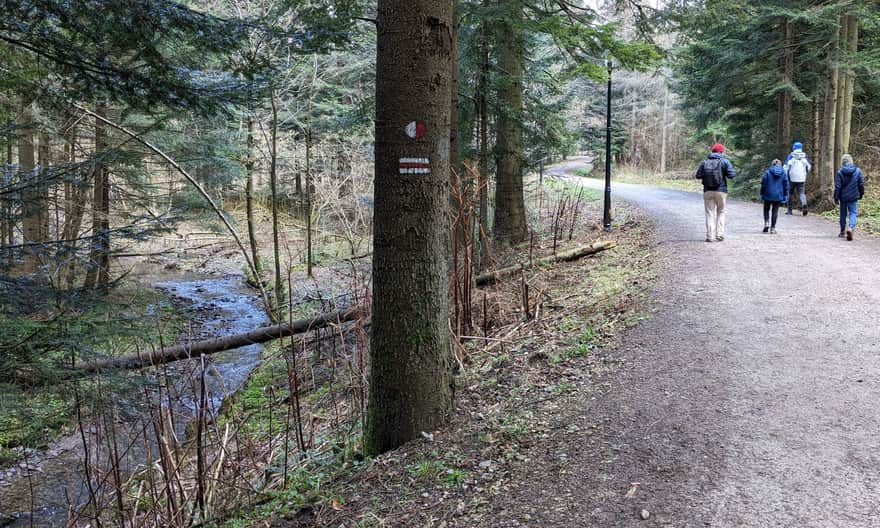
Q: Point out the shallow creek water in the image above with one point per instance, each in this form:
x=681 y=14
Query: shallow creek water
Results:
x=41 y=491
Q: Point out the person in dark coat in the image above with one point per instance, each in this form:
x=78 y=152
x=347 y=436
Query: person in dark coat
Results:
x=714 y=172
x=774 y=191
x=849 y=187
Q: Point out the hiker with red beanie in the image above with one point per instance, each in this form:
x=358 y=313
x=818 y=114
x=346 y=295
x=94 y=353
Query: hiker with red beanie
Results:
x=714 y=172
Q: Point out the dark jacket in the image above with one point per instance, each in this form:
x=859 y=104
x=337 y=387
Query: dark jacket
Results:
x=849 y=184
x=727 y=171
x=774 y=184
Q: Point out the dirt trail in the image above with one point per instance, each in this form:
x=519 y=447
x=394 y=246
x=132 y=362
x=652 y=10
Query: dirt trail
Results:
x=748 y=399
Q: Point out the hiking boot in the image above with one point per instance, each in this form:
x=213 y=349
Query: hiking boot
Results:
x=772 y=230
x=766 y=228
x=849 y=234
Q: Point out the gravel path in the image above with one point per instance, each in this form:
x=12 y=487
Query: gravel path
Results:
x=750 y=398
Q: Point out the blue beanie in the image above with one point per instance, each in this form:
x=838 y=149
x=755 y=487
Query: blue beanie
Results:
x=797 y=146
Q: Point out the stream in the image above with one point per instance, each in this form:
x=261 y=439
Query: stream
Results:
x=40 y=491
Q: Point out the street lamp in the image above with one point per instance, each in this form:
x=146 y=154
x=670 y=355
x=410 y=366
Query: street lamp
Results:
x=607 y=217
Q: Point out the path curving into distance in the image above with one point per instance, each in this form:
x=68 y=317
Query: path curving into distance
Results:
x=750 y=398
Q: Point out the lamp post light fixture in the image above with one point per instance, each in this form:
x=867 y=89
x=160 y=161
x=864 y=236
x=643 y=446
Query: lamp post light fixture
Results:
x=607 y=217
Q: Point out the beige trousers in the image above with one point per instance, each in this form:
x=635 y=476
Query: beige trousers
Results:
x=715 y=202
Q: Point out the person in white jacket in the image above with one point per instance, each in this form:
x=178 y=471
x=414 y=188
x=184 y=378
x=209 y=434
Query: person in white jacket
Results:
x=797 y=166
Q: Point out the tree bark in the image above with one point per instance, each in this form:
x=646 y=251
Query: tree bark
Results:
x=44 y=158
x=842 y=40
x=273 y=188
x=98 y=274
x=31 y=196
x=74 y=207
x=249 y=199
x=785 y=137
x=411 y=382
x=829 y=125
x=510 y=212
x=663 y=128
x=849 y=76
x=483 y=184
x=456 y=182
x=7 y=220
x=815 y=144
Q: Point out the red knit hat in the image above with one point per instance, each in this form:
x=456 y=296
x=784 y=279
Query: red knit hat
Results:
x=718 y=147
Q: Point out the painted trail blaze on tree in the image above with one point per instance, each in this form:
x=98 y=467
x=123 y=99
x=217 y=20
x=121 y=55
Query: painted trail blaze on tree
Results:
x=411 y=359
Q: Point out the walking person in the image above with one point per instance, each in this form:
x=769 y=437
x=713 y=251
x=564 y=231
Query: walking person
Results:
x=797 y=166
x=714 y=172
x=849 y=187
x=774 y=191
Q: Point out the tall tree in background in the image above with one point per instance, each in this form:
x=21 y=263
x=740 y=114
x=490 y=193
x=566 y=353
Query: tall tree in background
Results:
x=32 y=199
x=509 y=226
x=411 y=359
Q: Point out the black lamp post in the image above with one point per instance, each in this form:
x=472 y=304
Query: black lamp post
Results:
x=607 y=218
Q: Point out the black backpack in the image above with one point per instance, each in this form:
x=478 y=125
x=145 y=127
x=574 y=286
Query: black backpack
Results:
x=713 y=178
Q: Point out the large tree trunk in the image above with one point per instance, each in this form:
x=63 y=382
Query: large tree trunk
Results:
x=273 y=188
x=411 y=380
x=44 y=158
x=7 y=217
x=483 y=183
x=74 y=209
x=785 y=98
x=849 y=78
x=816 y=134
x=456 y=182
x=31 y=197
x=663 y=128
x=510 y=211
x=829 y=126
x=98 y=273
x=842 y=40
x=249 y=199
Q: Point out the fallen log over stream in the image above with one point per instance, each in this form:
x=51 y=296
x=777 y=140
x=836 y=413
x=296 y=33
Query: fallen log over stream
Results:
x=491 y=277
x=219 y=344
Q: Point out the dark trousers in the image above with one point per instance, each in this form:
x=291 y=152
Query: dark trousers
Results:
x=767 y=207
x=799 y=189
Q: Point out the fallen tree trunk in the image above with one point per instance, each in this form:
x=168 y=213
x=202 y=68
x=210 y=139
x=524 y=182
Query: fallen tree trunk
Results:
x=491 y=277
x=219 y=344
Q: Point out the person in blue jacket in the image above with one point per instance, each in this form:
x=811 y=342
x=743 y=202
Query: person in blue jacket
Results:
x=774 y=191
x=849 y=187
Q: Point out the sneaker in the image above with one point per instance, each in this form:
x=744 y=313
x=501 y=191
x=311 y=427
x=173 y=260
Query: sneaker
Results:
x=841 y=235
x=708 y=240
x=720 y=238
x=805 y=211
x=849 y=234
x=772 y=230
x=766 y=228
x=788 y=212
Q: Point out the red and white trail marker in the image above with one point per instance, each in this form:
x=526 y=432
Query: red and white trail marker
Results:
x=415 y=166
x=416 y=129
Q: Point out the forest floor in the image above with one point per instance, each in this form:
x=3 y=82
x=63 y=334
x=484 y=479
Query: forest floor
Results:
x=747 y=398
x=514 y=389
